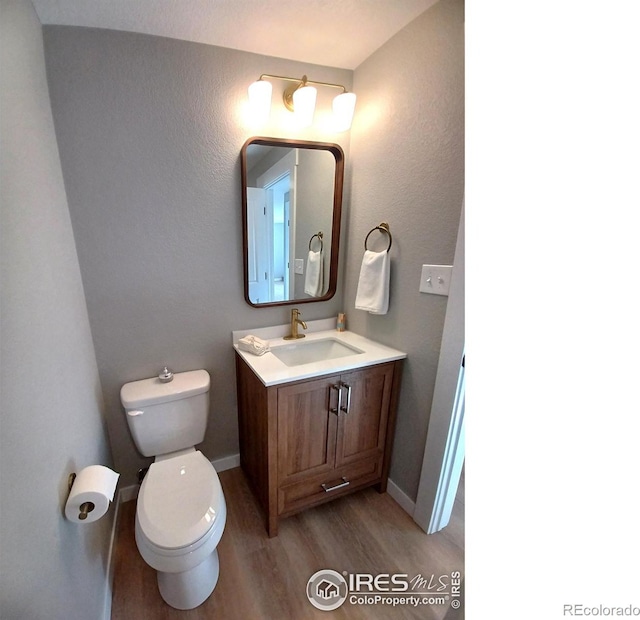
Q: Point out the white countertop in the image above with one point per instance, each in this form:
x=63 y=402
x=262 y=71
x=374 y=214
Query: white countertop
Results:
x=271 y=371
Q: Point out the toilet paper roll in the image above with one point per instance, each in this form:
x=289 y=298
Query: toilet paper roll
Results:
x=90 y=494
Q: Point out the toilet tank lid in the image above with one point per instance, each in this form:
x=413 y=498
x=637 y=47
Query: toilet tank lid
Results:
x=152 y=391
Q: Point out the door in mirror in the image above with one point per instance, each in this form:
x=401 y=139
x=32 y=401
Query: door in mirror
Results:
x=292 y=199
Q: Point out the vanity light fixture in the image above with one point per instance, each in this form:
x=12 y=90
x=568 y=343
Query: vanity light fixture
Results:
x=300 y=98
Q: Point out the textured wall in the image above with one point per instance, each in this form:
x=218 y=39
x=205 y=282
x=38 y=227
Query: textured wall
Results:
x=150 y=132
x=51 y=421
x=407 y=158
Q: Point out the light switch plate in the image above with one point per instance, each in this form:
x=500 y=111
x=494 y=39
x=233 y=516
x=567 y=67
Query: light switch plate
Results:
x=298 y=265
x=435 y=279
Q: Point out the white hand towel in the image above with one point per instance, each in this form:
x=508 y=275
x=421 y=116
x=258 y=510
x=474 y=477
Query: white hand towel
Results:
x=314 y=278
x=253 y=344
x=373 y=285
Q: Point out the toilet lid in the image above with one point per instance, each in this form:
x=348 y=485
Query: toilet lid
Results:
x=178 y=501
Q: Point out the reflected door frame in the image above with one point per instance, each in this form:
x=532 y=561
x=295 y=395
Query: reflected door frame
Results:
x=288 y=165
x=258 y=259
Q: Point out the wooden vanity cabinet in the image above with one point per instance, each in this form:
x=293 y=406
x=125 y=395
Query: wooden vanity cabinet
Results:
x=306 y=442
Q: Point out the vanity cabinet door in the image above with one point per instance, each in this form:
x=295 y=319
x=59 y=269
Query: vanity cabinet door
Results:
x=322 y=453
x=306 y=429
x=362 y=426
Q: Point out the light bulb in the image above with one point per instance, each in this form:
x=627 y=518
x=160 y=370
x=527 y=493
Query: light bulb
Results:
x=260 y=101
x=343 y=108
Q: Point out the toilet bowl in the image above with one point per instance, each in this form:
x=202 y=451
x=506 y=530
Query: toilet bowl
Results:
x=181 y=510
x=180 y=518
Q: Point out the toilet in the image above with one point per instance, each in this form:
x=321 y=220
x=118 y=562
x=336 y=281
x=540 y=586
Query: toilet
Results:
x=181 y=511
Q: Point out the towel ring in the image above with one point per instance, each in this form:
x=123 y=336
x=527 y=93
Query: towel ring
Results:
x=384 y=227
x=319 y=235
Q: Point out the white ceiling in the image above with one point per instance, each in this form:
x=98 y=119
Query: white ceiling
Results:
x=334 y=33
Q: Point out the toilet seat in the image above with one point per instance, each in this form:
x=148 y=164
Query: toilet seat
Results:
x=180 y=501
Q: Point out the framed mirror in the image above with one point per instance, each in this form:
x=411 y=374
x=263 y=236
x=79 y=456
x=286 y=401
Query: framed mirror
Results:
x=291 y=210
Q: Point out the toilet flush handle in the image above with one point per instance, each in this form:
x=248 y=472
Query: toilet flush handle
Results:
x=165 y=376
x=134 y=412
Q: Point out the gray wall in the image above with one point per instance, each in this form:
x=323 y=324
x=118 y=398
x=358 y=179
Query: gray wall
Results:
x=314 y=210
x=51 y=419
x=407 y=161
x=150 y=132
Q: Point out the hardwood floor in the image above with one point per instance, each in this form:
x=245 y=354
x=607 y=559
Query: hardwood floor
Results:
x=265 y=579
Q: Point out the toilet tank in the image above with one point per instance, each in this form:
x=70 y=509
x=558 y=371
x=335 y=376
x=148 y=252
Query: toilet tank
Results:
x=165 y=417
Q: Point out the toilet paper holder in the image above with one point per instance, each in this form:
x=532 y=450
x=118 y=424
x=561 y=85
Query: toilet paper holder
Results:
x=91 y=491
x=85 y=507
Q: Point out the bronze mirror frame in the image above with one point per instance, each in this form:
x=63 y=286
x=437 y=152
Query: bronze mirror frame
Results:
x=338 y=154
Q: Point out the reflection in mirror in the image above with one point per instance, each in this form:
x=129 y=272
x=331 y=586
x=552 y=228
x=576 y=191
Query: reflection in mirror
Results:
x=292 y=197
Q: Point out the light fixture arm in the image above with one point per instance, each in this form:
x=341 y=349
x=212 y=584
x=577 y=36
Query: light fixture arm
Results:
x=287 y=95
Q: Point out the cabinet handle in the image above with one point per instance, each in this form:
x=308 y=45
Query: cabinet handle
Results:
x=336 y=409
x=348 y=407
x=340 y=485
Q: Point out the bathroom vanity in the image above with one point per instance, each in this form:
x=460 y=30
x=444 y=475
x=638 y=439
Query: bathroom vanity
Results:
x=319 y=424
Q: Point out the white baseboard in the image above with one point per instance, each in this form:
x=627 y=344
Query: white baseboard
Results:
x=403 y=500
x=226 y=462
x=126 y=494
x=108 y=597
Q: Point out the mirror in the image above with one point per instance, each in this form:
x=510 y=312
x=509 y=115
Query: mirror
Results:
x=291 y=208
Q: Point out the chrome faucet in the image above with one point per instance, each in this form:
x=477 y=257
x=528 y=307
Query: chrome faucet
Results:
x=295 y=320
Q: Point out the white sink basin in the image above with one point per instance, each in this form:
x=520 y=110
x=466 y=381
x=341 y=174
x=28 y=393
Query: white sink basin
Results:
x=323 y=352
x=310 y=351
